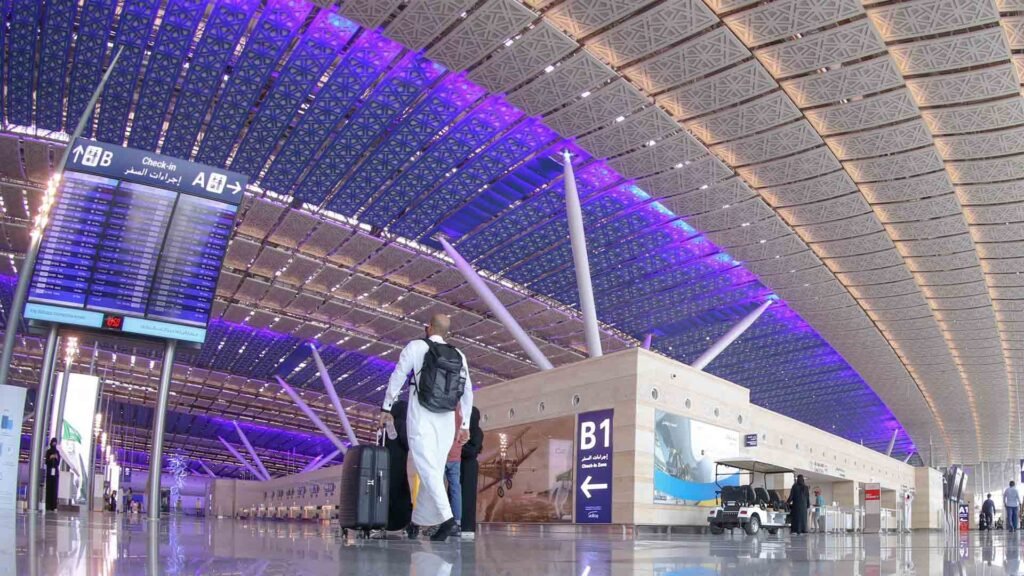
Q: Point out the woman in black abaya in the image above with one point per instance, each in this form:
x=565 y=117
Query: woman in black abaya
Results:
x=52 y=474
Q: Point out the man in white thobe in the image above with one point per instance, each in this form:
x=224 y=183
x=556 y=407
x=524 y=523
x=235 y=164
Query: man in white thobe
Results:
x=430 y=433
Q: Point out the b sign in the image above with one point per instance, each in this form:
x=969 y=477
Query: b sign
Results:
x=594 y=467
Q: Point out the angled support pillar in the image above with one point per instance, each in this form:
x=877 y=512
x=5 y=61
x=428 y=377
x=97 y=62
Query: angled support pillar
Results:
x=252 y=451
x=324 y=461
x=647 y=341
x=892 y=442
x=326 y=379
x=14 y=313
x=497 y=308
x=312 y=463
x=240 y=458
x=39 y=430
x=311 y=415
x=207 y=469
x=907 y=459
x=722 y=343
x=578 y=240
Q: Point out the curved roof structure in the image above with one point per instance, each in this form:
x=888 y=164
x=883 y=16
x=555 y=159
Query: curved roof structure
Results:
x=858 y=161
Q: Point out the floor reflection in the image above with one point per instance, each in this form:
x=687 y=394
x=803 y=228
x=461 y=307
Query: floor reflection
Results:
x=104 y=544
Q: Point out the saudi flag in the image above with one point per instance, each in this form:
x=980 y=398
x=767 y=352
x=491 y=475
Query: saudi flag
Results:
x=71 y=434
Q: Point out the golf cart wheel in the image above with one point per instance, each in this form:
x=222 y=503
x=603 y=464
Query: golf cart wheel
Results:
x=772 y=531
x=753 y=525
x=716 y=530
x=501 y=491
x=508 y=483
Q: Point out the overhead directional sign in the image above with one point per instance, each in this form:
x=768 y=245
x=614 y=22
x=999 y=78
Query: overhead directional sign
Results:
x=157 y=170
x=594 y=467
x=134 y=243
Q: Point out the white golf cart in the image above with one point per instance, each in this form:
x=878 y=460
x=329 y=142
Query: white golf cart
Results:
x=746 y=506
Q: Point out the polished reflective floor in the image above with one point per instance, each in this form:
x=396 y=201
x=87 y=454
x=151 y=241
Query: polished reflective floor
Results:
x=102 y=544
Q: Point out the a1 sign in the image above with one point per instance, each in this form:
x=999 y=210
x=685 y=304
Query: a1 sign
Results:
x=594 y=467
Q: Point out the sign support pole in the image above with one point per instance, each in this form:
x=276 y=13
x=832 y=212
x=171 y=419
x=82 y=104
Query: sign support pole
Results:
x=29 y=264
x=156 y=456
x=39 y=425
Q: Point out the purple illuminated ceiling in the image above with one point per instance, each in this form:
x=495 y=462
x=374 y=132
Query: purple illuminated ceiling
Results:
x=346 y=120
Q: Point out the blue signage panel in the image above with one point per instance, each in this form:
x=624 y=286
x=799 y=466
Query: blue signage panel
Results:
x=750 y=440
x=594 y=467
x=134 y=243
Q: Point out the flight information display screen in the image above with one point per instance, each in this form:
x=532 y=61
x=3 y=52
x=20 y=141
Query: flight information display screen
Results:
x=134 y=243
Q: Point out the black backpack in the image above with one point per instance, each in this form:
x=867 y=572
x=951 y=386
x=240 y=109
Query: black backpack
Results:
x=441 y=382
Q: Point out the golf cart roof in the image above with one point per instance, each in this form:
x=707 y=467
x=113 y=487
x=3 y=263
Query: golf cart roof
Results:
x=754 y=466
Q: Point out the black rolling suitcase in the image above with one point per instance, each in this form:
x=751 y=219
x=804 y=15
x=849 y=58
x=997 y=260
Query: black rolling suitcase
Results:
x=364 y=489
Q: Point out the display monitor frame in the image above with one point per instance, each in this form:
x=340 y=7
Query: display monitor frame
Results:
x=119 y=253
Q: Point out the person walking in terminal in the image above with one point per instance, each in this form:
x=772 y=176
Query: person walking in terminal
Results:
x=1011 y=502
x=453 y=474
x=52 y=474
x=799 y=502
x=819 y=511
x=469 y=470
x=440 y=382
x=399 y=495
x=988 y=512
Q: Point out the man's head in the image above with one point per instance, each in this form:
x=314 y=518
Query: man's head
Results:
x=817 y=491
x=53 y=442
x=439 y=325
x=988 y=496
x=1012 y=483
x=800 y=479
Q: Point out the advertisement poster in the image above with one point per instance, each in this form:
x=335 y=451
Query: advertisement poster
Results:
x=526 y=473
x=685 y=452
x=76 y=437
x=12 y=410
x=594 y=467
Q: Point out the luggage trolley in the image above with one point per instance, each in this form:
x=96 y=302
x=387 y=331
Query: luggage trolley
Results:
x=747 y=506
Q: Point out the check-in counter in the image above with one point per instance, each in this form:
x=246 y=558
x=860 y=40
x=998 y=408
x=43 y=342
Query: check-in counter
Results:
x=328 y=513
x=309 y=513
x=294 y=512
x=888 y=520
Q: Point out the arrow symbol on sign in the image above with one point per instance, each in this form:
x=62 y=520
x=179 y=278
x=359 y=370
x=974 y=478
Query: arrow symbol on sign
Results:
x=587 y=486
x=77 y=151
x=236 y=187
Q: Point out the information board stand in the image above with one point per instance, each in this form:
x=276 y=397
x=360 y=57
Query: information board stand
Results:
x=133 y=244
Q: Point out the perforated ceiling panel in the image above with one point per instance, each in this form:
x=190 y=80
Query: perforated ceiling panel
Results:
x=861 y=164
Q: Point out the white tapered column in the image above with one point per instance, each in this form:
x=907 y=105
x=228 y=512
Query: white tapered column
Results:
x=312 y=415
x=252 y=452
x=333 y=394
x=578 y=239
x=241 y=458
x=647 y=341
x=207 y=469
x=892 y=442
x=722 y=343
x=324 y=462
x=497 y=308
x=311 y=464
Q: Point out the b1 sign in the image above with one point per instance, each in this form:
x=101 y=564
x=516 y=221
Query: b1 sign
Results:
x=594 y=467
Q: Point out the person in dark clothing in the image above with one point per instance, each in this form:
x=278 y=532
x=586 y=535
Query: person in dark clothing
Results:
x=52 y=474
x=470 y=472
x=988 y=512
x=799 y=502
x=112 y=501
x=399 y=496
